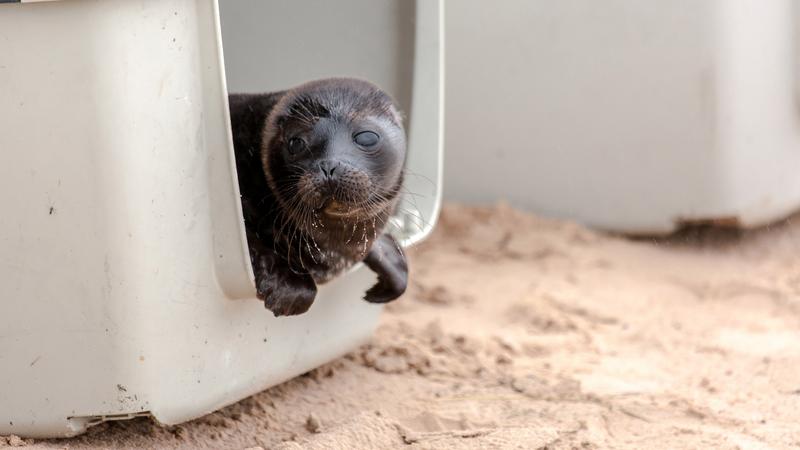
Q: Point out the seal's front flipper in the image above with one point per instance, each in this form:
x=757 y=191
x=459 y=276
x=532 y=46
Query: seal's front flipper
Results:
x=388 y=261
x=285 y=292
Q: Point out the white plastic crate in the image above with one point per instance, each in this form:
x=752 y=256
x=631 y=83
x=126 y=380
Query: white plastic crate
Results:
x=125 y=283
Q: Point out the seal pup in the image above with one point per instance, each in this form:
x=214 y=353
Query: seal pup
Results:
x=320 y=172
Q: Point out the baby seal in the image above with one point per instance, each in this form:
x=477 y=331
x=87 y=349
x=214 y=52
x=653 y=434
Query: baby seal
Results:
x=320 y=172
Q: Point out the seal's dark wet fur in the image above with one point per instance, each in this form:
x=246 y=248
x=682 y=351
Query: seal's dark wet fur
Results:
x=320 y=170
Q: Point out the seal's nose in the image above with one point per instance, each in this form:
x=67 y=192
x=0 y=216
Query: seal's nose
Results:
x=328 y=169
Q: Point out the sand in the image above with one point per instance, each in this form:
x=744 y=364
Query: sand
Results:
x=521 y=332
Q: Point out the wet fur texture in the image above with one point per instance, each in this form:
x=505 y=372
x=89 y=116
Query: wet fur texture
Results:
x=304 y=226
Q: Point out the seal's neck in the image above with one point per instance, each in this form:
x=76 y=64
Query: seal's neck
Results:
x=326 y=248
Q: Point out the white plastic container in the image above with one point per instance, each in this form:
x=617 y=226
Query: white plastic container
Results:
x=630 y=115
x=125 y=285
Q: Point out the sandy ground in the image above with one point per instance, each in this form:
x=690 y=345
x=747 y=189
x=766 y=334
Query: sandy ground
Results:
x=520 y=332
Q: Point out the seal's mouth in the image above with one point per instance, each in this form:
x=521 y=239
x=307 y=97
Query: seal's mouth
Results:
x=335 y=208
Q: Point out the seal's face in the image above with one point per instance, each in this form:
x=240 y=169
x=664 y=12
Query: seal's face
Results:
x=335 y=149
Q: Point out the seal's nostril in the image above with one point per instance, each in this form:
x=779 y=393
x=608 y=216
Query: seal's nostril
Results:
x=328 y=168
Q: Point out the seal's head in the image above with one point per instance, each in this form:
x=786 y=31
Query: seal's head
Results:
x=335 y=149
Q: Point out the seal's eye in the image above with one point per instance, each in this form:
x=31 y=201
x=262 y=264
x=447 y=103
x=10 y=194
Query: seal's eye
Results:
x=366 y=138
x=296 y=145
